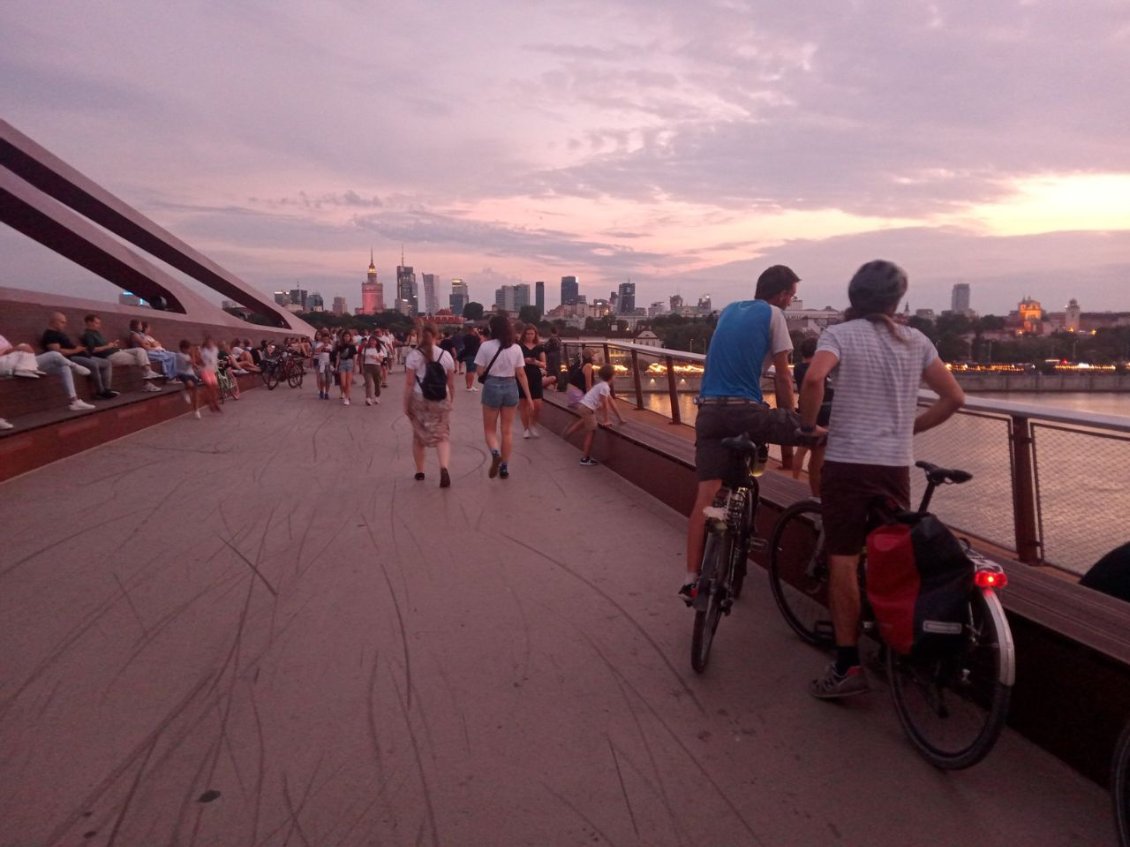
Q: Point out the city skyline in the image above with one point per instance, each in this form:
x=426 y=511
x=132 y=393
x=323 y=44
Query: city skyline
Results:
x=683 y=148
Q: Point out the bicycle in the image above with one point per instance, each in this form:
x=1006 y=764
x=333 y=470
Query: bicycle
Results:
x=729 y=539
x=951 y=703
x=287 y=366
x=228 y=384
x=1120 y=787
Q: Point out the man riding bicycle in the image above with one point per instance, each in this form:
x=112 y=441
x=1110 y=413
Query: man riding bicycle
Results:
x=750 y=336
x=878 y=367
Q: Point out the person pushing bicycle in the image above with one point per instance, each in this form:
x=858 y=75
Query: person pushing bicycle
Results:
x=877 y=367
x=750 y=336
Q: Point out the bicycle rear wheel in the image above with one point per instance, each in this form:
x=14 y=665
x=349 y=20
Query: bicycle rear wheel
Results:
x=741 y=548
x=271 y=377
x=952 y=700
x=294 y=376
x=708 y=609
x=798 y=572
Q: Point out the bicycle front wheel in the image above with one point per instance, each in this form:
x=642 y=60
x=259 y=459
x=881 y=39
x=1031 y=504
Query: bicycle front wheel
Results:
x=708 y=610
x=952 y=699
x=798 y=572
x=271 y=378
x=294 y=378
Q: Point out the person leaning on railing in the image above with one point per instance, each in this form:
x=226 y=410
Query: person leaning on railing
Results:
x=750 y=336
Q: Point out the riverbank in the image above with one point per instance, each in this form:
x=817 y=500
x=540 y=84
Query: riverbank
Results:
x=1038 y=383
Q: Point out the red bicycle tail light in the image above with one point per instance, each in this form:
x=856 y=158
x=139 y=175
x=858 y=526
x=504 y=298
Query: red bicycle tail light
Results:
x=990 y=579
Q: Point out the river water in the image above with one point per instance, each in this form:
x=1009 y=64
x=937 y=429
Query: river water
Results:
x=1081 y=474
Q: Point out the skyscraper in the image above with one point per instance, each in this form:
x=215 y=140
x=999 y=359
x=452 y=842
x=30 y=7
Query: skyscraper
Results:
x=460 y=296
x=959 y=300
x=626 y=302
x=372 y=292
x=315 y=302
x=539 y=296
x=431 y=303
x=298 y=298
x=406 y=292
x=521 y=295
x=570 y=288
x=339 y=306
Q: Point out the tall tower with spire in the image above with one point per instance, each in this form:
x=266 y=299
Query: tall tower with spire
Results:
x=407 y=296
x=372 y=291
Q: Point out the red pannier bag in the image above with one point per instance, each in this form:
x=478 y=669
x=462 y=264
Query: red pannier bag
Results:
x=918 y=581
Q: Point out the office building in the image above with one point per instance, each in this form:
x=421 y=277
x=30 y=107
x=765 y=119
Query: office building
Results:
x=372 y=291
x=406 y=291
x=570 y=289
x=626 y=302
x=339 y=307
x=539 y=297
x=959 y=300
x=282 y=298
x=298 y=298
x=431 y=302
x=315 y=303
x=460 y=296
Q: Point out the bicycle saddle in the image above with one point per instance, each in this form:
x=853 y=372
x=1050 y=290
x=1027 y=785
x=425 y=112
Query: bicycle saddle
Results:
x=937 y=476
x=741 y=444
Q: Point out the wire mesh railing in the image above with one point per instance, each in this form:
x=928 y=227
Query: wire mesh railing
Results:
x=1047 y=484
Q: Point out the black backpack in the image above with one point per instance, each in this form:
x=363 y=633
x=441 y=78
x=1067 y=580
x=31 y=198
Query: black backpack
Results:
x=434 y=383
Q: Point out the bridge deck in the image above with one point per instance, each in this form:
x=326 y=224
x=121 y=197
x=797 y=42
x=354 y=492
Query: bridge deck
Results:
x=258 y=629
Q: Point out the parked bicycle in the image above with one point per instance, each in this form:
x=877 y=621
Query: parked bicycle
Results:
x=729 y=538
x=228 y=384
x=951 y=703
x=287 y=367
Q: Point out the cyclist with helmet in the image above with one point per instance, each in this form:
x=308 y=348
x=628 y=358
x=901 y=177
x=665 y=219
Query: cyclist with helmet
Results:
x=877 y=367
x=750 y=336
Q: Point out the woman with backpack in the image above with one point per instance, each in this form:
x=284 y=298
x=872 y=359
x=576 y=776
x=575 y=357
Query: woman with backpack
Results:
x=429 y=392
x=501 y=369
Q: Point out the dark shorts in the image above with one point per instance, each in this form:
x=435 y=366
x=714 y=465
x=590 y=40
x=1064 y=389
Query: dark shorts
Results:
x=714 y=423
x=847 y=491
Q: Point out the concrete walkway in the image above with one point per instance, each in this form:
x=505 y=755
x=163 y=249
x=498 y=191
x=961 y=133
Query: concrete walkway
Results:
x=256 y=628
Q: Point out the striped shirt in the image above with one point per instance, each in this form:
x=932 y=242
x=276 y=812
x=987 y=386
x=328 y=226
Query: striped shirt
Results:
x=876 y=380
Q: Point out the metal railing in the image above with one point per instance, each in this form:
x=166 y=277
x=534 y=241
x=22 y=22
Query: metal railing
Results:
x=1048 y=483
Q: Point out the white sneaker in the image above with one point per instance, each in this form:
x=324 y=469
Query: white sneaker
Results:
x=376 y=401
x=196 y=414
x=151 y=387
x=5 y=425
x=27 y=374
x=525 y=433
x=79 y=369
x=368 y=402
x=345 y=401
x=535 y=432
x=187 y=398
x=151 y=374
x=77 y=405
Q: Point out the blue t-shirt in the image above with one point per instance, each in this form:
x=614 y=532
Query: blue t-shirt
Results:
x=748 y=334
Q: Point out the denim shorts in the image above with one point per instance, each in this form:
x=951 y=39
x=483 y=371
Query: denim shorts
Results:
x=345 y=366
x=500 y=391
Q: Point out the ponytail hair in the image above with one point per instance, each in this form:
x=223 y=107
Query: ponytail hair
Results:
x=426 y=344
x=500 y=328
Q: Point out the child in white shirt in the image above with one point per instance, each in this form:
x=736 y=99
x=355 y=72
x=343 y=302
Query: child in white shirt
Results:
x=597 y=399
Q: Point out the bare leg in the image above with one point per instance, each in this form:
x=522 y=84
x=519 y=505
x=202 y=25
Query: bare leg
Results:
x=490 y=427
x=443 y=450
x=696 y=524
x=418 y=455
x=507 y=413
x=843 y=595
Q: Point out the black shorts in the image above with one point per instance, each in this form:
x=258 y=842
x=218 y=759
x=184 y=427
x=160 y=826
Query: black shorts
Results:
x=847 y=492
x=716 y=422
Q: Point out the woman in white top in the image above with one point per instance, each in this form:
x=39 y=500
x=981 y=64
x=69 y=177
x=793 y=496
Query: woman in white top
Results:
x=502 y=368
x=877 y=367
x=431 y=418
x=371 y=357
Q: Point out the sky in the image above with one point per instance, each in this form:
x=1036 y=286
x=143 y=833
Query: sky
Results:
x=684 y=146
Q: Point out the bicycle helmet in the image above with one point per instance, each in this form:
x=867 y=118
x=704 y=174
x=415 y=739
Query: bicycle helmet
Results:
x=877 y=286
